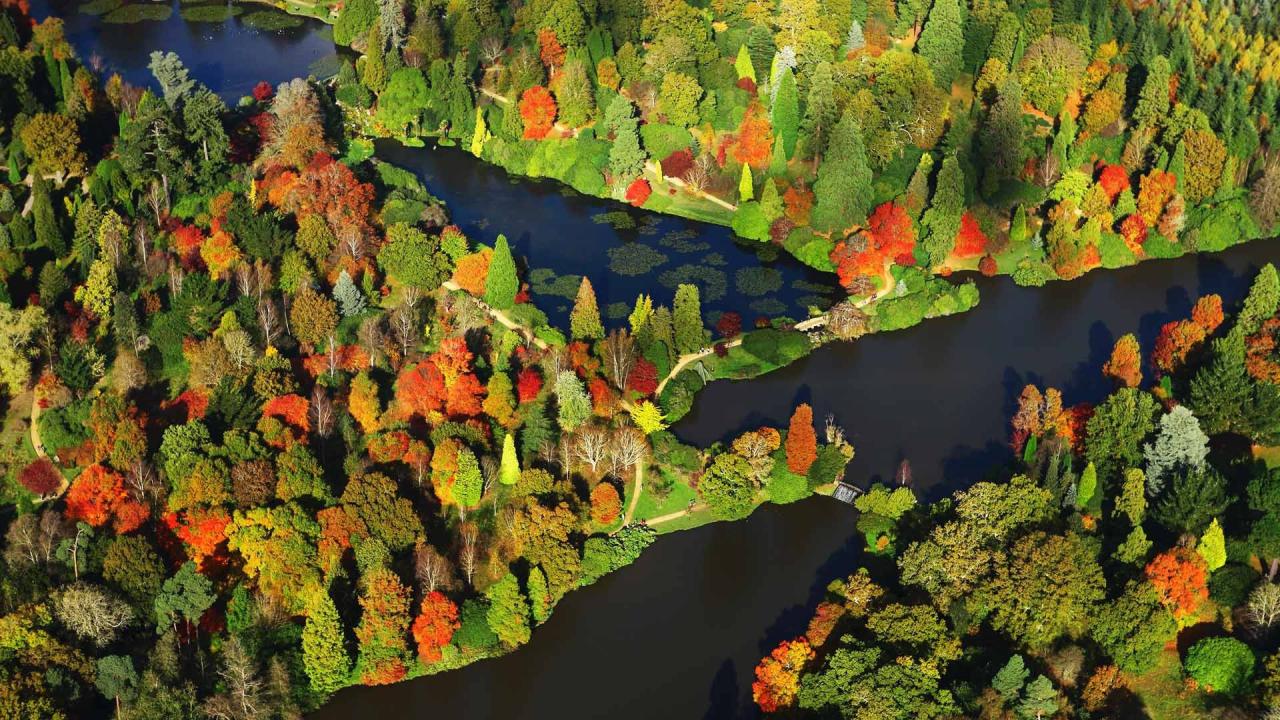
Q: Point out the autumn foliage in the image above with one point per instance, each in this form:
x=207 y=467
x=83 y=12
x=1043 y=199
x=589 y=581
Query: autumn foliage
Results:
x=41 y=477
x=442 y=385
x=291 y=409
x=889 y=236
x=638 y=192
x=472 y=271
x=1180 y=579
x=538 y=110
x=1125 y=363
x=778 y=675
x=753 y=144
x=970 y=241
x=528 y=385
x=802 y=441
x=435 y=625
x=1179 y=338
x=606 y=505
x=98 y=496
x=1114 y=180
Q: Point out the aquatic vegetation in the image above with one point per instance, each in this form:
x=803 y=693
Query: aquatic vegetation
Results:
x=635 y=259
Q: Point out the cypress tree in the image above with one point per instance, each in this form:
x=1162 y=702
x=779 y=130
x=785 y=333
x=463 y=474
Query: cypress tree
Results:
x=942 y=40
x=843 y=189
x=785 y=112
x=48 y=234
x=942 y=219
x=509 y=471
x=584 y=320
x=746 y=189
x=501 y=284
x=802 y=441
x=690 y=335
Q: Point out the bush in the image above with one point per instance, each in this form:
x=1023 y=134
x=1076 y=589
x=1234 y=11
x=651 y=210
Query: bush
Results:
x=785 y=486
x=661 y=140
x=474 y=632
x=749 y=222
x=1222 y=665
x=1230 y=585
x=776 y=347
x=829 y=465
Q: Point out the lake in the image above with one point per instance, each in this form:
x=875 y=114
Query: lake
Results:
x=678 y=633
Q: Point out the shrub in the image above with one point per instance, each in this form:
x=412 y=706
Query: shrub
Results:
x=661 y=140
x=1221 y=665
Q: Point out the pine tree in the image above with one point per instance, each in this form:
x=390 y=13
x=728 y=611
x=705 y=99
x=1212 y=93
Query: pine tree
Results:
x=626 y=157
x=584 y=320
x=48 y=233
x=942 y=40
x=1180 y=446
x=843 y=189
x=690 y=333
x=350 y=299
x=509 y=470
x=785 y=112
x=324 y=656
x=1220 y=391
x=501 y=284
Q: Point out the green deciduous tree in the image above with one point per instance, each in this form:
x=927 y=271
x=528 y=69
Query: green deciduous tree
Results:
x=52 y=142
x=501 y=283
x=508 y=613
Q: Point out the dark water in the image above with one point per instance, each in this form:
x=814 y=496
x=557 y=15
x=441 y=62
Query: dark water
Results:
x=230 y=58
x=562 y=233
x=678 y=633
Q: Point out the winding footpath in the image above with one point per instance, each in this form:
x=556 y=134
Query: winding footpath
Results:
x=502 y=317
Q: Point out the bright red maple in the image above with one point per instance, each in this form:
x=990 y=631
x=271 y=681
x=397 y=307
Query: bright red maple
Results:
x=538 y=110
x=435 y=625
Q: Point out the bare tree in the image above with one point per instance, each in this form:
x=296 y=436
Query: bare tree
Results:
x=404 y=325
x=699 y=176
x=322 y=414
x=144 y=483
x=92 y=613
x=491 y=49
x=268 y=319
x=591 y=446
x=371 y=337
x=619 y=357
x=244 y=694
x=1263 y=608
x=626 y=449
x=432 y=570
x=33 y=539
x=468 y=554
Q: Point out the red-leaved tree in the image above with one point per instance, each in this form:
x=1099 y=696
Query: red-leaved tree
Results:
x=435 y=625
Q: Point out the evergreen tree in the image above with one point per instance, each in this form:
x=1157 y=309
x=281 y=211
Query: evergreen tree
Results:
x=350 y=299
x=584 y=320
x=1181 y=446
x=785 y=112
x=1002 y=138
x=1153 y=99
x=573 y=405
x=1226 y=399
x=843 y=189
x=172 y=77
x=509 y=470
x=690 y=334
x=324 y=655
x=1261 y=303
x=821 y=111
x=502 y=283
x=469 y=482
x=942 y=220
x=48 y=233
x=626 y=157
x=942 y=40
x=746 y=189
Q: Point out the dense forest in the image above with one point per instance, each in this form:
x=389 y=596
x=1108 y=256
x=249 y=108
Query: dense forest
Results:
x=1126 y=567
x=272 y=427
x=870 y=138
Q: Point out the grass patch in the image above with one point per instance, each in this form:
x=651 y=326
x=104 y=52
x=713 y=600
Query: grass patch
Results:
x=100 y=7
x=676 y=499
x=129 y=14
x=210 y=13
x=1163 y=692
x=270 y=21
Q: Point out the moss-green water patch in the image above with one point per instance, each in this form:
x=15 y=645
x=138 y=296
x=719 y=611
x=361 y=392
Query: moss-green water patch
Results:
x=545 y=281
x=270 y=21
x=616 y=219
x=617 y=311
x=714 y=283
x=129 y=14
x=210 y=13
x=684 y=241
x=634 y=259
x=99 y=7
x=757 y=281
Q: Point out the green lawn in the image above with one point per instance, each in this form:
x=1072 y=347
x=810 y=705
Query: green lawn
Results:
x=651 y=505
